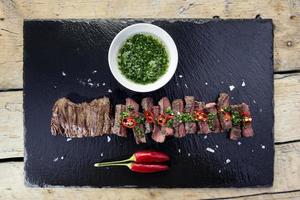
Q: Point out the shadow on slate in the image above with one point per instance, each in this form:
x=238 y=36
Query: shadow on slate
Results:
x=217 y=52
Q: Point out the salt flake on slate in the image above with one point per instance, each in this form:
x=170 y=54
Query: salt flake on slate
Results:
x=206 y=83
x=69 y=139
x=222 y=82
x=210 y=150
x=94 y=72
x=63 y=73
x=109 y=91
x=260 y=110
x=55 y=159
x=89 y=80
x=217 y=146
x=62 y=158
x=231 y=87
x=220 y=171
x=103 y=84
x=252 y=150
x=228 y=161
x=263 y=146
x=254 y=101
x=189 y=154
x=186 y=85
x=180 y=76
x=54 y=86
x=243 y=84
x=205 y=137
x=91 y=84
x=101 y=154
x=108 y=139
x=179 y=150
x=239 y=143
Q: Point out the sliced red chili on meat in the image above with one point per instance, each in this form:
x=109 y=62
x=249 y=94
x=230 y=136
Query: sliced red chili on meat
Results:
x=200 y=116
x=149 y=116
x=246 y=117
x=161 y=120
x=129 y=122
x=227 y=116
x=169 y=117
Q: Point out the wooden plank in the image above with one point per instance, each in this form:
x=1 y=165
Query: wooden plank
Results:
x=274 y=196
x=11 y=124
x=286 y=16
x=287 y=176
x=287 y=115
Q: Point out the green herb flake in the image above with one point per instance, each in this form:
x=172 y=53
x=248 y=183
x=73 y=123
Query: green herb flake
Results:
x=236 y=118
x=170 y=123
x=211 y=120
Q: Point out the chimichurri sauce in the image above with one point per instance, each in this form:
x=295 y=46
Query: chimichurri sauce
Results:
x=143 y=59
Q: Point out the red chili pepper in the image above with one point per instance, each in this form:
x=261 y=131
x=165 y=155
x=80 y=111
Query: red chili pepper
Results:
x=138 y=167
x=161 y=120
x=147 y=168
x=149 y=157
x=129 y=122
x=149 y=116
x=201 y=116
x=137 y=159
x=169 y=117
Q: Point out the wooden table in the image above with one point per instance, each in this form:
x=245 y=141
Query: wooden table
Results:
x=286 y=18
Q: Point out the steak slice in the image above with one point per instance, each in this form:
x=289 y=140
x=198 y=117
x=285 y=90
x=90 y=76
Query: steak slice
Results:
x=118 y=128
x=156 y=134
x=190 y=127
x=203 y=125
x=164 y=105
x=212 y=110
x=235 y=132
x=81 y=120
x=247 y=130
x=223 y=104
x=177 y=106
x=138 y=130
x=147 y=104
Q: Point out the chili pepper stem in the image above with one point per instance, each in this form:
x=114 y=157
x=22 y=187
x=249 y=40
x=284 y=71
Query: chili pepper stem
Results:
x=131 y=159
x=112 y=164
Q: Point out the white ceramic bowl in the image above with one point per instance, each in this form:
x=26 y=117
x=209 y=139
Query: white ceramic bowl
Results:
x=158 y=33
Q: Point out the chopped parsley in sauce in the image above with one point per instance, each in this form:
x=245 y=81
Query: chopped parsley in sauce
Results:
x=143 y=59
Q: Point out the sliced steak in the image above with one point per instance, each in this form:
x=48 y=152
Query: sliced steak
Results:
x=177 y=106
x=247 y=130
x=156 y=134
x=235 y=132
x=81 y=120
x=164 y=105
x=118 y=128
x=139 y=130
x=190 y=127
x=223 y=111
x=202 y=125
x=214 y=124
x=147 y=104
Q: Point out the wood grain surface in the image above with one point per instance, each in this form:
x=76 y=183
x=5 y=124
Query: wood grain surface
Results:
x=286 y=19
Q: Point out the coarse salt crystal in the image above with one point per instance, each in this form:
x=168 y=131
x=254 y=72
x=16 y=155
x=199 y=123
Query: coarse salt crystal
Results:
x=91 y=84
x=231 y=87
x=210 y=150
x=185 y=85
x=239 y=143
x=260 y=110
x=180 y=76
x=252 y=150
x=109 y=91
x=205 y=137
x=228 y=161
x=222 y=82
x=220 y=171
x=101 y=154
x=55 y=159
x=206 y=83
x=89 y=80
x=189 y=154
x=63 y=73
x=103 y=83
x=243 y=84
x=217 y=146
x=108 y=139
x=179 y=150
x=54 y=86
x=69 y=139
x=254 y=101
x=263 y=146
x=62 y=158
x=94 y=72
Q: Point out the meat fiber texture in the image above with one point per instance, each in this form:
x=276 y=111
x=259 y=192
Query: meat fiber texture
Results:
x=81 y=120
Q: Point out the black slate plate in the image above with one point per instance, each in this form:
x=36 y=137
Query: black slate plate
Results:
x=61 y=56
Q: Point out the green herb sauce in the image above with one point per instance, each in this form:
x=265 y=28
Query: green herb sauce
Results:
x=143 y=59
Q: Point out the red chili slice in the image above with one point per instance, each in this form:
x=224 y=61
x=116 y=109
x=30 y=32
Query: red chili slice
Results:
x=161 y=120
x=201 y=116
x=129 y=122
x=246 y=117
x=149 y=116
